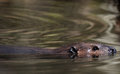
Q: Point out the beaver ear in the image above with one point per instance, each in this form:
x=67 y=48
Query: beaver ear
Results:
x=73 y=50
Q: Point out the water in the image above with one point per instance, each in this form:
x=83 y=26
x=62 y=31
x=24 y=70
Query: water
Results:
x=54 y=23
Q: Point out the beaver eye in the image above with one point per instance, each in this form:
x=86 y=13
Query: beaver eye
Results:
x=95 y=48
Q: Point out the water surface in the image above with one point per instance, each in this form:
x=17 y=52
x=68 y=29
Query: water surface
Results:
x=54 y=23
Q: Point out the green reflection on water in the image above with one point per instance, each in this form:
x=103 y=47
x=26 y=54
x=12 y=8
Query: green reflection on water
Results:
x=52 y=23
x=49 y=23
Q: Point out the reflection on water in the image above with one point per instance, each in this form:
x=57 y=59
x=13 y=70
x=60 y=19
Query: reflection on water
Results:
x=49 y=23
x=54 y=23
x=55 y=66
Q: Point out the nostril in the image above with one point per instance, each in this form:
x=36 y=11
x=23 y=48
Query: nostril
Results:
x=112 y=50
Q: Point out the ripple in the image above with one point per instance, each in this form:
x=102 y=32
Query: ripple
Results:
x=49 y=23
x=25 y=15
x=109 y=37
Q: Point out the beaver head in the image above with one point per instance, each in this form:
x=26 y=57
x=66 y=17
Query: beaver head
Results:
x=91 y=49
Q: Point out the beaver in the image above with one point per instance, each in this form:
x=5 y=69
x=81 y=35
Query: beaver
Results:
x=81 y=49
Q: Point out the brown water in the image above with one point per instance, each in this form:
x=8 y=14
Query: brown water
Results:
x=54 y=23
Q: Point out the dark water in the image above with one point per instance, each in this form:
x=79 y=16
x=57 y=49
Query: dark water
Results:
x=54 y=23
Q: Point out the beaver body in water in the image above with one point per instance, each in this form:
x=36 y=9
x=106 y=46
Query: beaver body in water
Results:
x=78 y=49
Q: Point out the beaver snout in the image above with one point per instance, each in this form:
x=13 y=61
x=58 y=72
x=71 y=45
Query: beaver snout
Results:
x=112 y=50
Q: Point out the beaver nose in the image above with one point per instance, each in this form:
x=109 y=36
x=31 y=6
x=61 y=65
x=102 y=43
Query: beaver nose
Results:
x=112 y=50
